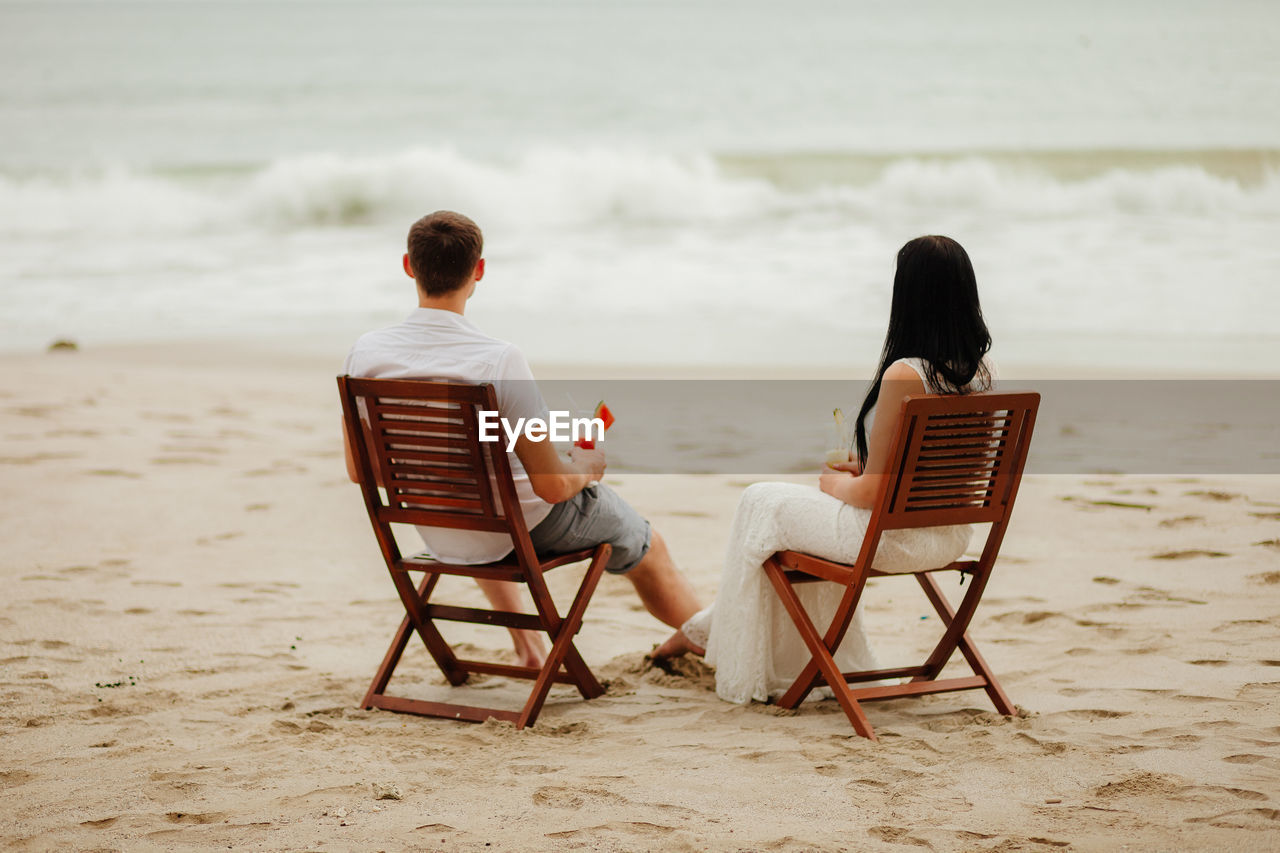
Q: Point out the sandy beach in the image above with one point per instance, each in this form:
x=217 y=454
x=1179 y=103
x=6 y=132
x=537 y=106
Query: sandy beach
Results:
x=194 y=605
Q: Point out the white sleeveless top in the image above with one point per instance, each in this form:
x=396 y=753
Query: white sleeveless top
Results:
x=922 y=370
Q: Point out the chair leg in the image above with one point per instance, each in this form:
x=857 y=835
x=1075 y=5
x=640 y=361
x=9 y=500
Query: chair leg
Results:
x=563 y=652
x=437 y=646
x=822 y=658
x=809 y=678
x=401 y=641
x=380 y=680
x=563 y=649
x=957 y=636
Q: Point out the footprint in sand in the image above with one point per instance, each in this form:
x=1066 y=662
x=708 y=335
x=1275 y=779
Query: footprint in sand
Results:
x=193 y=448
x=558 y=798
x=1020 y=617
x=35 y=458
x=1189 y=554
x=1085 y=503
x=277 y=467
x=1236 y=793
x=897 y=835
x=1219 y=497
x=1261 y=690
x=168 y=417
x=1090 y=714
x=1046 y=747
x=1238 y=626
x=534 y=769
x=14 y=778
x=182 y=460
x=1261 y=820
x=220 y=537
x=628 y=830
x=201 y=819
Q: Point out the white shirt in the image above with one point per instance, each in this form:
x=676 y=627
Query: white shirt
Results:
x=442 y=345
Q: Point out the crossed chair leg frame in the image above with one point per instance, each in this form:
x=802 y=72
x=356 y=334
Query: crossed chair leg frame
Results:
x=564 y=664
x=787 y=568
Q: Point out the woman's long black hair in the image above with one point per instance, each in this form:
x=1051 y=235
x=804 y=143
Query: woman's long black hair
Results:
x=936 y=317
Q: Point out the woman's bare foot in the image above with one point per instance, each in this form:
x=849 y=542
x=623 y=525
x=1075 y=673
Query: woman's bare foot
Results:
x=677 y=645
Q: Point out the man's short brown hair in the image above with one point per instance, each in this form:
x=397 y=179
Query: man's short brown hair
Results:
x=444 y=248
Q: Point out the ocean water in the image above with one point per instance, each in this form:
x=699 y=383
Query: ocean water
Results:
x=691 y=182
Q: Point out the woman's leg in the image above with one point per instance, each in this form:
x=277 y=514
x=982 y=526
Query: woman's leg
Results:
x=752 y=643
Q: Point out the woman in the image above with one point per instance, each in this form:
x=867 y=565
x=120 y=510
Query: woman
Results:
x=937 y=343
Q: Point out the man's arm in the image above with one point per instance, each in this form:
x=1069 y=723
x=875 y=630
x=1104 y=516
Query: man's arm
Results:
x=553 y=478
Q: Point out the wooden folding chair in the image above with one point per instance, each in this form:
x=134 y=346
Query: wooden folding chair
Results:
x=957 y=460
x=419 y=441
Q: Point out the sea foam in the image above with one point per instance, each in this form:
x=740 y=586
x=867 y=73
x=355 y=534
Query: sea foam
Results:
x=561 y=187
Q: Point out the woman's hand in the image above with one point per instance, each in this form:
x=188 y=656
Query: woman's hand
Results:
x=836 y=481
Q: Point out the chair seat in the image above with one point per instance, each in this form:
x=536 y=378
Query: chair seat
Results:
x=806 y=568
x=505 y=569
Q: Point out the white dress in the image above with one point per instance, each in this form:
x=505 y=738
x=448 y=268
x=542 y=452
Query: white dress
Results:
x=749 y=637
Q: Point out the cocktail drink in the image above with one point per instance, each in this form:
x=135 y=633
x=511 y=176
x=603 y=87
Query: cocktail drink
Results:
x=837 y=455
x=838 y=441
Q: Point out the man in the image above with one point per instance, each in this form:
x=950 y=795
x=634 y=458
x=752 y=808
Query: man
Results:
x=565 y=507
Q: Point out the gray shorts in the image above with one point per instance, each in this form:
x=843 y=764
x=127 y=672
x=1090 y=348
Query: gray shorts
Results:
x=593 y=516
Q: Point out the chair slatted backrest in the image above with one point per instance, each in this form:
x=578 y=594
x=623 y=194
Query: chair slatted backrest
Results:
x=959 y=459
x=423 y=447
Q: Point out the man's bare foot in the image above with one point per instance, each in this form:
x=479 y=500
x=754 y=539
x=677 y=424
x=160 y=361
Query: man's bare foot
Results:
x=530 y=649
x=534 y=659
x=677 y=645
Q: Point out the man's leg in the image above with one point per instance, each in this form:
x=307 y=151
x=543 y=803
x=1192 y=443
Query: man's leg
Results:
x=505 y=595
x=598 y=515
x=663 y=589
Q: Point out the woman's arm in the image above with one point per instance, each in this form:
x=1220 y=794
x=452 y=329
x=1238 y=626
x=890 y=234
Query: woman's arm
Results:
x=860 y=489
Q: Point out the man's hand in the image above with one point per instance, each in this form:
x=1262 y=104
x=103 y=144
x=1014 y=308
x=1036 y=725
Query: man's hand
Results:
x=553 y=477
x=589 y=462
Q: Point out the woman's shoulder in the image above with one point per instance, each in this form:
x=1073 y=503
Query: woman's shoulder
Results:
x=899 y=370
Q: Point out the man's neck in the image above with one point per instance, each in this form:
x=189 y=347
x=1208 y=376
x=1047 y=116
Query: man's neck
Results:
x=455 y=302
